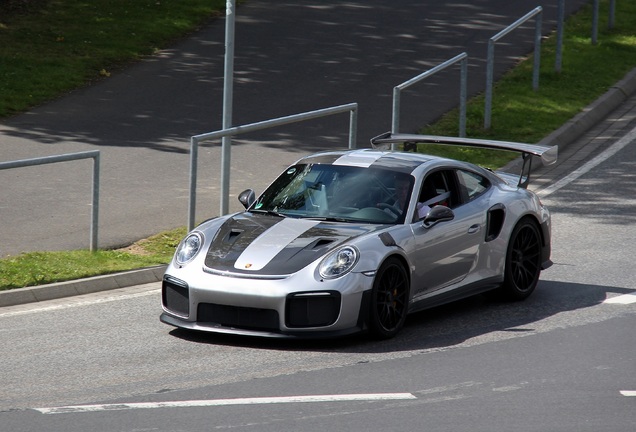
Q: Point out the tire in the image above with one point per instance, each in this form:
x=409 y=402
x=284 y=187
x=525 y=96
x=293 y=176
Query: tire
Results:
x=389 y=300
x=523 y=261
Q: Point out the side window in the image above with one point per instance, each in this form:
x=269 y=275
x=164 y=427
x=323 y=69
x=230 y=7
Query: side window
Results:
x=435 y=189
x=473 y=184
x=438 y=188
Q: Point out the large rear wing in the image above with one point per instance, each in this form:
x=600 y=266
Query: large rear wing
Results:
x=548 y=155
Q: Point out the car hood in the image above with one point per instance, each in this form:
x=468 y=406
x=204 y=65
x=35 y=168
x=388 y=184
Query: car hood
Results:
x=257 y=244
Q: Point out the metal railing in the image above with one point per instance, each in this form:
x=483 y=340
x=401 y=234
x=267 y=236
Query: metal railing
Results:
x=612 y=15
x=94 y=154
x=538 y=11
x=595 y=14
x=595 y=18
x=558 y=60
x=352 y=108
x=463 y=58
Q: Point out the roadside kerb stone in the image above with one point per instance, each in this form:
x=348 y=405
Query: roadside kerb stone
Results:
x=81 y=286
x=593 y=113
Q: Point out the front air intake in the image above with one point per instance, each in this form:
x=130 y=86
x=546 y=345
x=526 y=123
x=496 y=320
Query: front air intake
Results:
x=312 y=309
x=209 y=314
x=175 y=296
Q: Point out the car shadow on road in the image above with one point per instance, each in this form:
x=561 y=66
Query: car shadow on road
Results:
x=442 y=327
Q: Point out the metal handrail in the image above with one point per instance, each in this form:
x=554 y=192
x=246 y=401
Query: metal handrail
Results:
x=352 y=108
x=491 y=58
x=463 y=58
x=94 y=154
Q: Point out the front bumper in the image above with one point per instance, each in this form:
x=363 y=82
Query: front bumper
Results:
x=293 y=306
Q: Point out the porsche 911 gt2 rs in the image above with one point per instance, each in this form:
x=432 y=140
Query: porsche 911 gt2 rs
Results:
x=349 y=241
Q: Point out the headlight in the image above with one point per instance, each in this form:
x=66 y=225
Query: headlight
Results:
x=188 y=248
x=338 y=263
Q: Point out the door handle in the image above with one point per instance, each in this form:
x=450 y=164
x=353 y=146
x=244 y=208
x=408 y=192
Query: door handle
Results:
x=474 y=229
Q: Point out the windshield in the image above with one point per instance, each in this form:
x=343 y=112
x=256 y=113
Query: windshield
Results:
x=340 y=193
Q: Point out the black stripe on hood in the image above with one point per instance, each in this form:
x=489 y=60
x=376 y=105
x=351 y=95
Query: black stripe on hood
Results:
x=239 y=231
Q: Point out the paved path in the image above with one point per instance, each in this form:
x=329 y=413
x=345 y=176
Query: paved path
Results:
x=293 y=58
x=608 y=121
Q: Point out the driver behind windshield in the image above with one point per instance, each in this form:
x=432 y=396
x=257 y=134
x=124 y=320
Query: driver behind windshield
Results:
x=398 y=202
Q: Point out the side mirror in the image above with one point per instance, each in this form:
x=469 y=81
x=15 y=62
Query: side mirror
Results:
x=436 y=215
x=247 y=198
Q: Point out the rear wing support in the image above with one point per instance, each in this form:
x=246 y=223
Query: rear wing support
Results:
x=547 y=154
x=526 y=169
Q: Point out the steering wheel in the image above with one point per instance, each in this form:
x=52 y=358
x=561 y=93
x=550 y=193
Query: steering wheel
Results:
x=389 y=207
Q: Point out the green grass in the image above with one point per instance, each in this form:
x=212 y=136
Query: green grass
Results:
x=50 y=50
x=521 y=114
x=38 y=268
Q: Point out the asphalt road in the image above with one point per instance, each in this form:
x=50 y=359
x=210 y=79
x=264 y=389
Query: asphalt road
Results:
x=291 y=58
x=563 y=360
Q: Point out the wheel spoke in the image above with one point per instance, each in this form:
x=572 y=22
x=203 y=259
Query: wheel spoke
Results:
x=525 y=259
x=391 y=298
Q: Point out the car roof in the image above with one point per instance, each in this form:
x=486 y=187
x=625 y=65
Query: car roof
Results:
x=371 y=158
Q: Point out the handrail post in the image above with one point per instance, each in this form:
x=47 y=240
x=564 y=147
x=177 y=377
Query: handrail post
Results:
x=395 y=113
x=596 y=5
x=194 y=160
x=463 y=97
x=490 y=66
x=559 y=42
x=353 y=127
x=537 y=54
x=95 y=208
x=228 y=92
x=612 y=14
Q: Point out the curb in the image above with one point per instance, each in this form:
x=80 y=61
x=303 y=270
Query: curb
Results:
x=593 y=113
x=81 y=286
x=590 y=116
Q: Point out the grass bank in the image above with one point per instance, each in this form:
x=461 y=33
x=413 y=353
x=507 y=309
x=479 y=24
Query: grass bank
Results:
x=518 y=112
x=521 y=114
x=40 y=268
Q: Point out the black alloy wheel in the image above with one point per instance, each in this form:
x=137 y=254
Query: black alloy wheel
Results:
x=389 y=300
x=523 y=261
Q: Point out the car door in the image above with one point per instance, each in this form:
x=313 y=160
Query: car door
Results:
x=446 y=252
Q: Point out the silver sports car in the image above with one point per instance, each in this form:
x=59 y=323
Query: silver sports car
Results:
x=349 y=241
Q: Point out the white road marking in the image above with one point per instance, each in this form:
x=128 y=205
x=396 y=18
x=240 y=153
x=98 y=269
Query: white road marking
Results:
x=611 y=151
x=628 y=393
x=226 y=402
x=622 y=299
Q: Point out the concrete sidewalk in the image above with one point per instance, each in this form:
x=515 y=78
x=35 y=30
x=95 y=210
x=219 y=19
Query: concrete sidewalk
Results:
x=597 y=127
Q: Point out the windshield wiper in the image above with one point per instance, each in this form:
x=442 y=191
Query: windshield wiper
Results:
x=329 y=218
x=270 y=212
